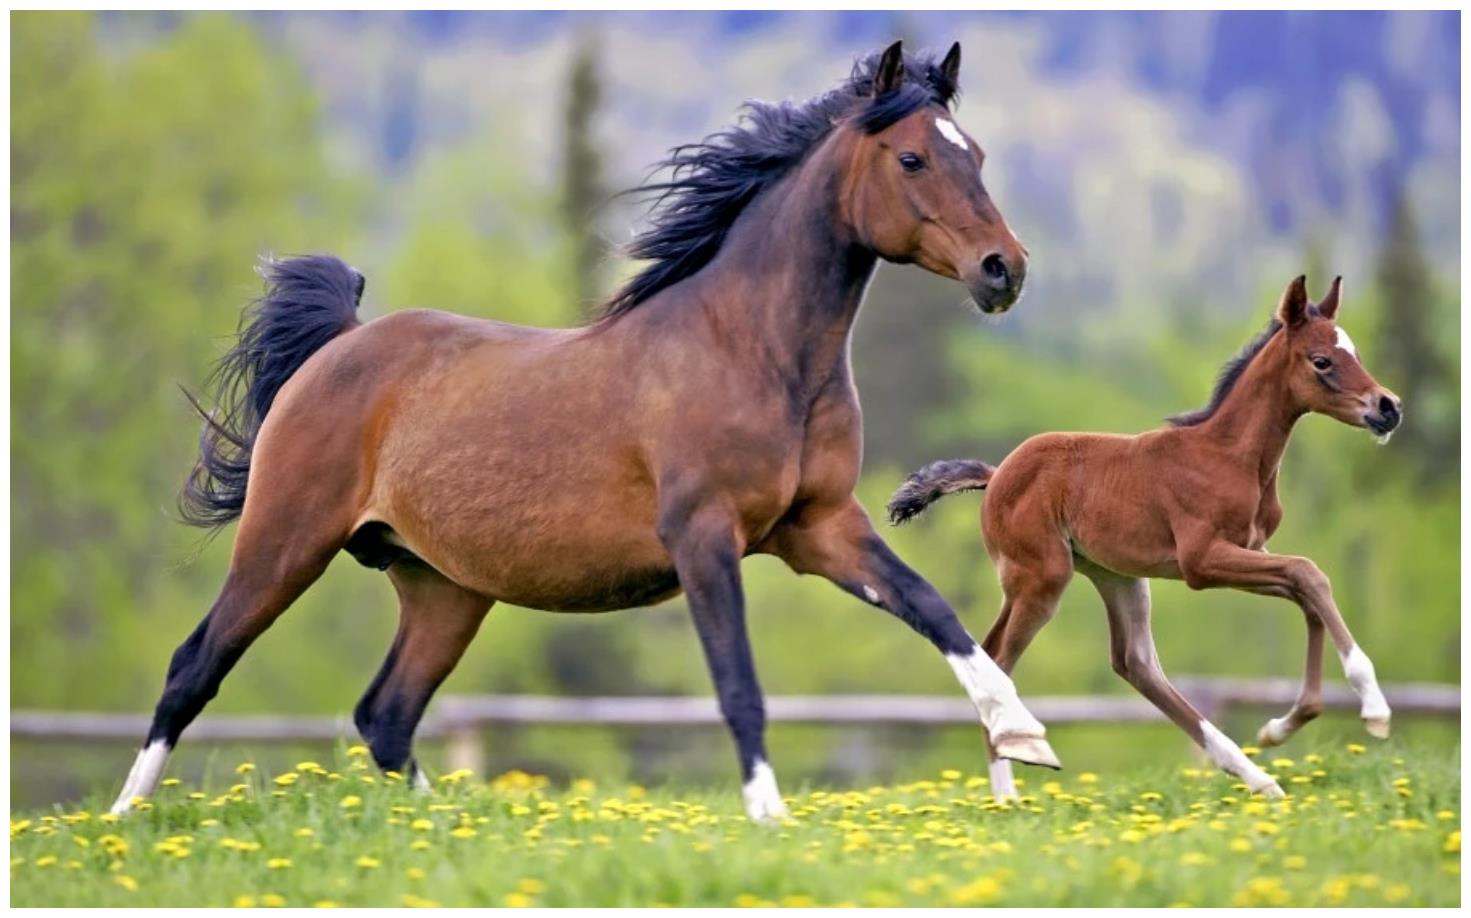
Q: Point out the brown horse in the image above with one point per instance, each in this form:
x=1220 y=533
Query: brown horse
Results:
x=710 y=413
x=1196 y=501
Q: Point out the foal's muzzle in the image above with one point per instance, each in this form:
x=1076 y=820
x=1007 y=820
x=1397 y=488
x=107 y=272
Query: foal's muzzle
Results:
x=1386 y=416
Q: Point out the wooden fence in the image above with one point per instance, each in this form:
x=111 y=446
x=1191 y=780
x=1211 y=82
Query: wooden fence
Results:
x=462 y=720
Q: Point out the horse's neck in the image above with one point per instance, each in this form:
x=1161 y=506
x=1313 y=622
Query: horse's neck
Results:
x=1254 y=423
x=790 y=277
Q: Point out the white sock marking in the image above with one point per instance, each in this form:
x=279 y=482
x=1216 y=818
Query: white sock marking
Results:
x=144 y=775
x=1277 y=731
x=1360 y=672
x=1002 y=784
x=993 y=694
x=950 y=132
x=1230 y=759
x=763 y=800
x=871 y=593
x=1344 y=341
x=421 y=780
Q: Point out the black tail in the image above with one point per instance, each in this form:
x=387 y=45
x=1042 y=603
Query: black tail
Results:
x=308 y=302
x=933 y=482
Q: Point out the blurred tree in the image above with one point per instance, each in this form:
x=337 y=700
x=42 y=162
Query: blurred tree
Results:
x=582 y=170
x=1407 y=345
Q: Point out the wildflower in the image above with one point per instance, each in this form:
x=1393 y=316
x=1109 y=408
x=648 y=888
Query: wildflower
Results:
x=531 y=886
x=244 y=902
x=1452 y=843
x=350 y=801
x=368 y=863
x=357 y=751
x=304 y=832
x=271 y=900
x=244 y=768
x=979 y=892
x=422 y=825
x=414 y=873
x=516 y=900
x=1194 y=859
x=278 y=863
x=1355 y=749
x=1087 y=777
x=126 y=882
x=287 y=779
x=1445 y=815
x=169 y=782
x=324 y=903
x=464 y=832
x=1294 y=862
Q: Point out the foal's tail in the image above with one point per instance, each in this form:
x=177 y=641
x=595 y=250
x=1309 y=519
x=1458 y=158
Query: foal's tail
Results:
x=308 y=302
x=933 y=482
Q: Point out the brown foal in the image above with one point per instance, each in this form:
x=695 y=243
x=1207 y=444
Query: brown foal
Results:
x=1196 y=501
x=709 y=414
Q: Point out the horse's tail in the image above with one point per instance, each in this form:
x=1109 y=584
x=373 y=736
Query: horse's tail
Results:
x=308 y=302
x=933 y=482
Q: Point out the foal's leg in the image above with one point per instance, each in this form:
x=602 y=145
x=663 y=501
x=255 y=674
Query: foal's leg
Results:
x=1223 y=564
x=437 y=621
x=706 y=549
x=1134 y=658
x=1032 y=593
x=274 y=561
x=1309 y=703
x=839 y=544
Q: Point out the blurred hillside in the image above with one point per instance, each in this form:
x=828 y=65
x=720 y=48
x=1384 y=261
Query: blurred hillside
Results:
x=1169 y=174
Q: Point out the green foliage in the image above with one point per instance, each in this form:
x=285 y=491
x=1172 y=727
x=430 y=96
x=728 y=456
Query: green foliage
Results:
x=1359 y=829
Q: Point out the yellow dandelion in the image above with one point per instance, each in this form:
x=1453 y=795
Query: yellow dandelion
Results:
x=415 y=873
x=271 y=900
x=244 y=768
x=126 y=882
x=350 y=801
x=1355 y=749
x=169 y=782
x=466 y=832
x=244 y=902
x=1087 y=777
x=357 y=751
x=278 y=863
x=324 y=903
x=516 y=900
x=368 y=863
x=422 y=825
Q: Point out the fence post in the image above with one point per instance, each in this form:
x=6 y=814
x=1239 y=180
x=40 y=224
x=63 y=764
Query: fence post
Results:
x=465 y=749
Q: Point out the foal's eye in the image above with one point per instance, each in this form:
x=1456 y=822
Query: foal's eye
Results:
x=911 y=162
x=1322 y=363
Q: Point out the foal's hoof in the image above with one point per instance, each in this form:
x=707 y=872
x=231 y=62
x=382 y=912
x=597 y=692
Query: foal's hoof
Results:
x=1029 y=750
x=1273 y=733
x=1271 y=790
x=768 y=812
x=1378 y=727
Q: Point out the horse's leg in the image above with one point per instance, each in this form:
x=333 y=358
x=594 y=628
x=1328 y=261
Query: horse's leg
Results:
x=1223 y=564
x=706 y=550
x=276 y=557
x=437 y=621
x=1309 y=703
x=840 y=545
x=1127 y=602
x=1032 y=593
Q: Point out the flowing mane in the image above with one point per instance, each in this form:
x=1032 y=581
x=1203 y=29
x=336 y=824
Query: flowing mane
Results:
x=712 y=181
x=1227 y=378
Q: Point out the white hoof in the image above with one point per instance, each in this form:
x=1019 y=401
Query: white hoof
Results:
x=1271 y=790
x=1029 y=750
x=763 y=800
x=1378 y=727
x=1274 y=732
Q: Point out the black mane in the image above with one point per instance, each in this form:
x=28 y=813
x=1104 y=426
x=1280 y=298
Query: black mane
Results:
x=710 y=182
x=1230 y=373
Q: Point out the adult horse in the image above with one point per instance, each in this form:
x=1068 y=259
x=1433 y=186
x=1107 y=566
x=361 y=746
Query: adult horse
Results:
x=709 y=413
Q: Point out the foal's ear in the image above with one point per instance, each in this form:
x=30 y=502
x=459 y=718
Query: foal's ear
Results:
x=890 y=72
x=1329 y=307
x=950 y=66
x=1293 y=309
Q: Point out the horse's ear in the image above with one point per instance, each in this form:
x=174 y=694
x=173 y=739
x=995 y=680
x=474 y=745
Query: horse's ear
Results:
x=890 y=72
x=950 y=66
x=1293 y=309
x=1329 y=307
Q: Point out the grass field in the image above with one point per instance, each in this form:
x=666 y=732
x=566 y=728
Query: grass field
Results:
x=1377 y=826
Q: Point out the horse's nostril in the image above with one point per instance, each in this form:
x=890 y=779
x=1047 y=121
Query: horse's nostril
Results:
x=1387 y=406
x=994 y=267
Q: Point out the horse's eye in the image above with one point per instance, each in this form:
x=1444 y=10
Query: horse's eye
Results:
x=911 y=162
x=1322 y=363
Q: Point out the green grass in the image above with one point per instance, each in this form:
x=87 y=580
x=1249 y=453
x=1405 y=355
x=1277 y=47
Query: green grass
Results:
x=1371 y=827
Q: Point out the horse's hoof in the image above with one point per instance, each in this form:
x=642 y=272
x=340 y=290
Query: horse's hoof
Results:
x=1378 y=727
x=768 y=814
x=1271 y=734
x=1029 y=750
x=1271 y=790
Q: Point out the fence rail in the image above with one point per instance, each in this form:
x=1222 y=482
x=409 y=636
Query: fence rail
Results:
x=461 y=720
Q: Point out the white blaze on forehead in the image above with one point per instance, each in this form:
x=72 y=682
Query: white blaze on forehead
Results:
x=1344 y=341
x=951 y=133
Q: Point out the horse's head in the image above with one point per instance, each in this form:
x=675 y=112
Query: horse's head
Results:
x=914 y=191
x=1324 y=371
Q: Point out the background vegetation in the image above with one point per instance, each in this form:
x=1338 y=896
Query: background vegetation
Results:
x=1166 y=190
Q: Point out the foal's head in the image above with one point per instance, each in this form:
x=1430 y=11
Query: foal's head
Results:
x=913 y=191
x=1324 y=373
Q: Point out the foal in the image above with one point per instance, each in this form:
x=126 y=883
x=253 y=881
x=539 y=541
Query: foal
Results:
x=1195 y=501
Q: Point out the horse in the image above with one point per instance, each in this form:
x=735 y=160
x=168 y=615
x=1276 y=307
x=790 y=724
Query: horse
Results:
x=706 y=413
x=1194 y=501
